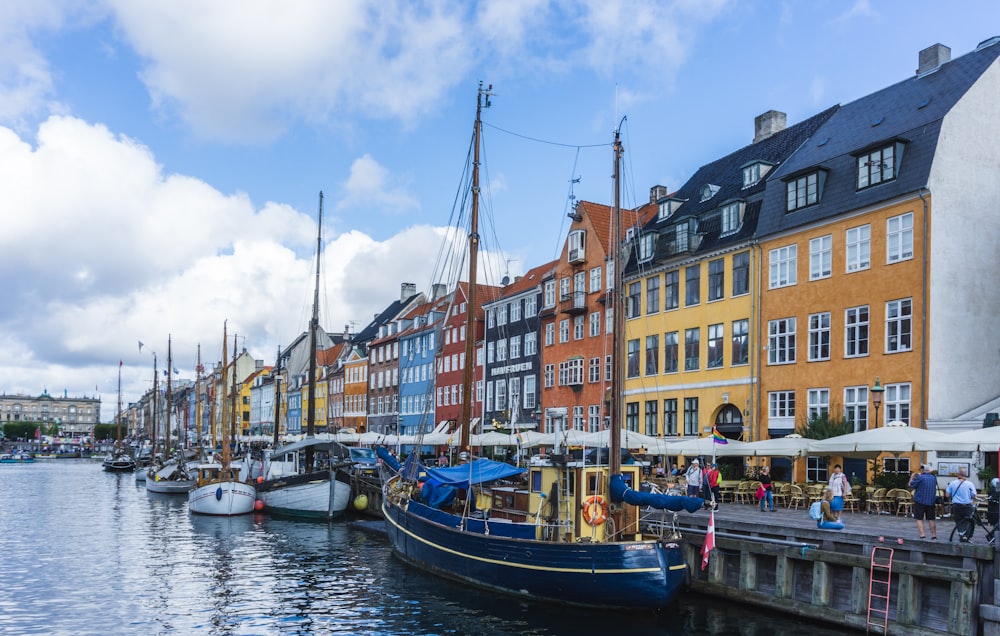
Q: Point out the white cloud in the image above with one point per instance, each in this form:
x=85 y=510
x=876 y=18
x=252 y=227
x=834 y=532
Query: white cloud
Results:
x=370 y=185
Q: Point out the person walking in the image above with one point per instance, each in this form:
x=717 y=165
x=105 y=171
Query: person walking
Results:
x=765 y=481
x=829 y=520
x=693 y=476
x=924 y=485
x=839 y=486
x=963 y=500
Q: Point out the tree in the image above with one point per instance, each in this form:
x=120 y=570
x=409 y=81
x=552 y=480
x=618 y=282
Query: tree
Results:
x=825 y=425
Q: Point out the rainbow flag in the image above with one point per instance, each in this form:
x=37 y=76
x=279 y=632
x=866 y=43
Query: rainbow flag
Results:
x=520 y=438
x=718 y=437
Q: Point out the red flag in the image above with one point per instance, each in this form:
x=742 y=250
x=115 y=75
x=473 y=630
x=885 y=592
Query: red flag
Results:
x=709 y=540
x=38 y=433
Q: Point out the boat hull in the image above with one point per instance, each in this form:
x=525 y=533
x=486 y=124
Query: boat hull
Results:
x=170 y=486
x=222 y=498
x=318 y=495
x=634 y=575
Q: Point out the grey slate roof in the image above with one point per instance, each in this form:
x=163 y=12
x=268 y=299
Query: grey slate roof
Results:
x=911 y=110
x=727 y=174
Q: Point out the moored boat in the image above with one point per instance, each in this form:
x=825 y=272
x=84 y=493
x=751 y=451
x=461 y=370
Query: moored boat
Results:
x=17 y=457
x=289 y=488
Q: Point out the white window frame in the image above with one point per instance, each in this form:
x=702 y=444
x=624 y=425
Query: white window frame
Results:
x=899 y=325
x=781 y=409
x=817 y=403
x=857 y=330
x=858 y=244
x=819 y=336
x=899 y=238
x=821 y=257
x=897 y=400
x=781 y=341
x=782 y=265
x=856 y=406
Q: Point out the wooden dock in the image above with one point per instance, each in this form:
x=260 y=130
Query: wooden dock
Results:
x=782 y=561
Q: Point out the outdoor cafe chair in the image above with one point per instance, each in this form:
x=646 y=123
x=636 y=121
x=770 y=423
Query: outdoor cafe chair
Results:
x=797 y=497
x=877 y=501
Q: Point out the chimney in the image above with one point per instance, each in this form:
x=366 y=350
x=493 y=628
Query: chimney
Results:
x=932 y=57
x=406 y=290
x=765 y=125
x=656 y=193
x=438 y=290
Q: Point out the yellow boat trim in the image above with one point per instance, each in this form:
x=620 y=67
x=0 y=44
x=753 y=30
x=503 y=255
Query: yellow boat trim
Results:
x=525 y=566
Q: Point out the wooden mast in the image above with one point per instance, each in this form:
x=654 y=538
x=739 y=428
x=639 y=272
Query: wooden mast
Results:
x=277 y=397
x=197 y=398
x=313 y=328
x=156 y=410
x=468 y=376
x=222 y=398
x=170 y=368
x=232 y=414
x=118 y=417
x=618 y=306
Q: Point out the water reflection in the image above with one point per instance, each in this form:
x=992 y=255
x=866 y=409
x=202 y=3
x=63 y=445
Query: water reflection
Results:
x=89 y=552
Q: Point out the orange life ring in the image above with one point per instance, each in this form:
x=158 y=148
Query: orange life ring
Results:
x=595 y=510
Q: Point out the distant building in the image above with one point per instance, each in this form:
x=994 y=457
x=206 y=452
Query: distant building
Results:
x=75 y=416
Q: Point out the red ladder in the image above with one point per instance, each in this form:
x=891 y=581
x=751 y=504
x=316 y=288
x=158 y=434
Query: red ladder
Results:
x=879 y=582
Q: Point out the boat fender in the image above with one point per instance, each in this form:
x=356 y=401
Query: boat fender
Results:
x=595 y=510
x=361 y=502
x=218 y=493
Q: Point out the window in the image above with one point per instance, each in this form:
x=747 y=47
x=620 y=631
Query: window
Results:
x=782 y=266
x=501 y=350
x=751 y=174
x=633 y=359
x=652 y=294
x=595 y=279
x=571 y=372
x=608 y=368
x=898 y=325
x=632 y=416
x=670 y=352
x=692 y=285
x=531 y=343
x=550 y=293
x=550 y=334
x=633 y=300
x=856 y=406
x=670 y=416
x=646 y=243
x=821 y=257
x=564 y=288
x=897 y=403
x=501 y=395
x=877 y=166
x=515 y=347
x=671 y=290
x=691 y=416
x=819 y=403
x=781 y=409
x=819 y=336
x=652 y=354
x=708 y=191
x=593 y=418
x=595 y=324
x=816 y=469
x=803 y=191
x=550 y=376
x=715 y=341
x=730 y=217
x=578 y=322
x=530 y=307
x=515 y=311
x=502 y=315
x=859 y=248
x=899 y=238
x=577 y=243
x=594 y=370
x=692 y=344
x=741 y=341
x=741 y=273
x=490 y=318
x=856 y=332
x=781 y=341
x=529 y=392
x=652 y=418
x=490 y=349
x=564 y=330
x=716 y=279
x=897 y=465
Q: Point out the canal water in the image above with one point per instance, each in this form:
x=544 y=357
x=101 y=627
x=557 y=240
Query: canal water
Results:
x=85 y=552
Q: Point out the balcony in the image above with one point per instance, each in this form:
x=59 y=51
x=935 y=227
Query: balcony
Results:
x=573 y=303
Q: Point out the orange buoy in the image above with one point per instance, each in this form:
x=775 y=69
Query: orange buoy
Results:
x=260 y=479
x=258 y=505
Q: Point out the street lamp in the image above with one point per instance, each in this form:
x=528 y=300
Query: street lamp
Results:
x=877 y=391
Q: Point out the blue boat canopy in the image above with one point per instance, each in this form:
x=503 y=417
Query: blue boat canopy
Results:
x=477 y=472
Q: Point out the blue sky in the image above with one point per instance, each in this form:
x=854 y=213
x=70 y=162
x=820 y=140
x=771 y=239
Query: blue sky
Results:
x=160 y=162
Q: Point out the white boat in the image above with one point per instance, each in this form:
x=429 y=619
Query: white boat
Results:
x=172 y=479
x=219 y=491
x=287 y=488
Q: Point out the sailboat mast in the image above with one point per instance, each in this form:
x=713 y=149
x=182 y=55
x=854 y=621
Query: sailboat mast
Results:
x=618 y=305
x=222 y=397
x=277 y=396
x=197 y=398
x=118 y=417
x=170 y=368
x=468 y=375
x=313 y=328
x=232 y=414
x=156 y=410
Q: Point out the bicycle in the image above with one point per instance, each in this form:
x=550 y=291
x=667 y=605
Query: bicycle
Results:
x=965 y=528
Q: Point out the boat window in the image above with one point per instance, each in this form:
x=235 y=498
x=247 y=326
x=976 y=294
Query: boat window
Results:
x=536 y=481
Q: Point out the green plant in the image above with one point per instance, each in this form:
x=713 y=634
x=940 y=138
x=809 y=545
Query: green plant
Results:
x=825 y=425
x=985 y=474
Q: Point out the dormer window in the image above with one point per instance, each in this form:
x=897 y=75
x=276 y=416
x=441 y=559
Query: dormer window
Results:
x=754 y=172
x=646 y=243
x=682 y=237
x=730 y=217
x=668 y=207
x=804 y=189
x=879 y=165
x=708 y=191
x=577 y=243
